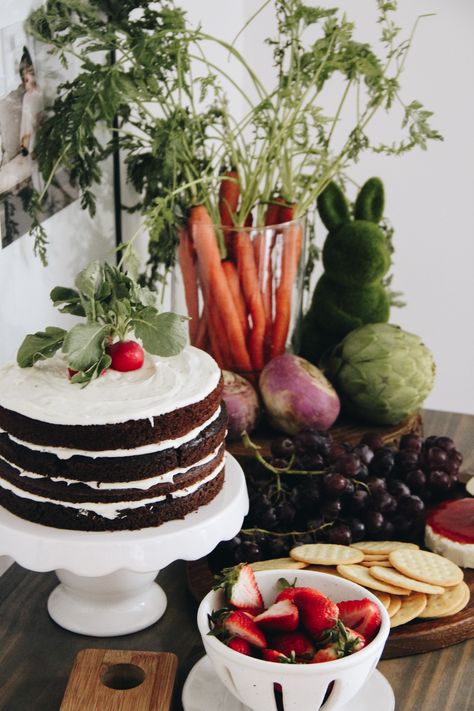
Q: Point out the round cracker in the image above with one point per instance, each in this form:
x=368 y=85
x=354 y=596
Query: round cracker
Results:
x=326 y=554
x=359 y=574
x=411 y=607
x=382 y=563
x=395 y=605
x=375 y=556
x=275 y=563
x=384 y=598
x=394 y=577
x=427 y=567
x=448 y=602
x=462 y=603
x=378 y=547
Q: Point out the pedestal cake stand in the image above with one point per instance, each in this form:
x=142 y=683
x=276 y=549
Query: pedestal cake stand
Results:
x=107 y=578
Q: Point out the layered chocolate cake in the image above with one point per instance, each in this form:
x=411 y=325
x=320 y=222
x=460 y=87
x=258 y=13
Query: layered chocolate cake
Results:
x=130 y=450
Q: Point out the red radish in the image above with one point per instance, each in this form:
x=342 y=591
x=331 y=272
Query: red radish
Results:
x=126 y=355
x=239 y=624
x=282 y=616
x=362 y=616
x=297 y=395
x=240 y=645
x=240 y=588
x=297 y=644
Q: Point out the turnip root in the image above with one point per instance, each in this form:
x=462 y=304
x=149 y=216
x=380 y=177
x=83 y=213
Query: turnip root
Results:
x=241 y=401
x=296 y=395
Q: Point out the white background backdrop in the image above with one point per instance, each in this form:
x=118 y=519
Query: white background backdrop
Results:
x=429 y=195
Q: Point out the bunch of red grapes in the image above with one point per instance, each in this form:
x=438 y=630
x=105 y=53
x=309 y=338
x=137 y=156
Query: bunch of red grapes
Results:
x=313 y=489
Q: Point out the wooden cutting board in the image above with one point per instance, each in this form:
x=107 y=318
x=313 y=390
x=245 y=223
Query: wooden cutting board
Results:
x=120 y=680
x=413 y=638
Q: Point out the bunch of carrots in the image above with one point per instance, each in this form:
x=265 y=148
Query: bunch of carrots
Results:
x=240 y=298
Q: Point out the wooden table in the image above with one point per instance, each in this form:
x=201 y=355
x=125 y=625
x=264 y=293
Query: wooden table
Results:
x=36 y=655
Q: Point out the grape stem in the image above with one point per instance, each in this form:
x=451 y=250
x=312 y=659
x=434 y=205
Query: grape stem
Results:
x=286 y=533
x=255 y=448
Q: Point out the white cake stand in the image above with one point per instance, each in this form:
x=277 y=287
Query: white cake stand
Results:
x=107 y=578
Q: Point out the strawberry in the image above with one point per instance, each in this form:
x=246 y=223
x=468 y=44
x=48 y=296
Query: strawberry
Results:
x=317 y=612
x=240 y=645
x=239 y=624
x=282 y=616
x=240 y=588
x=271 y=655
x=362 y=616
x=354 y=641
x=328 y=653
x=296 y=643
x=126 y=355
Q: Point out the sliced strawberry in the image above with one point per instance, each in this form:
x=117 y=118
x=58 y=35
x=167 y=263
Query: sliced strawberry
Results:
x=239 y=624
x=126 y=355
x=296 y=643
x=317 y=612
x=240 y=645
x=240 y=588
x=362 y=616
x=328 y=653
x=282 y=616
x=272 y=655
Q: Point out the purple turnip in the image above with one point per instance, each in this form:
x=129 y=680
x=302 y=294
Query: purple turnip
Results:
x=241 y=401
x=296 y=395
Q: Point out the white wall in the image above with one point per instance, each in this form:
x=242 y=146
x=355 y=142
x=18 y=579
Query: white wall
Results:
x=429 y=195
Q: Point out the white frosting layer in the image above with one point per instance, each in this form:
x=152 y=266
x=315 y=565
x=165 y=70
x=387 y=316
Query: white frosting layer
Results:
x=460 y=553
x=103 y=486
x=67 y=452
x=111 y=510
x=161 y=385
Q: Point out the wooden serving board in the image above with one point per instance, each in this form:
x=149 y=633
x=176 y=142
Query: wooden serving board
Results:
x=413 y=638
x=344 y=430
x=120 y=680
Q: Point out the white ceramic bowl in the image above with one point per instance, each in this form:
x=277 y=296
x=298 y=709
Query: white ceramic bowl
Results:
x=303 y=685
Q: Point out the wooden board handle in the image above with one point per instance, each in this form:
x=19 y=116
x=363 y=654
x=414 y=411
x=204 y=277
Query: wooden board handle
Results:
x=120 y=680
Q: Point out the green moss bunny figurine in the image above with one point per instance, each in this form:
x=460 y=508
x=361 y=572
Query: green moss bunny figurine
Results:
x=356 y=258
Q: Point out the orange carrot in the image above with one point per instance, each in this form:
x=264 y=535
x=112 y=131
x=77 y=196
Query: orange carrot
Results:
x=249 y=282
x=229 y=193
x=232 y=277
x=292 y=239
x=273 y=211
x=215 y=284
x=187 y=262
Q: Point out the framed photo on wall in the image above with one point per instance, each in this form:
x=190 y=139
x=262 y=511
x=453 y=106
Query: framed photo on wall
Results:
x=29 y=77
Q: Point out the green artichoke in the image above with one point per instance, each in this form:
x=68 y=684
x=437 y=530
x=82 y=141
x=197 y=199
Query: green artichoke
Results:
x=381 y=373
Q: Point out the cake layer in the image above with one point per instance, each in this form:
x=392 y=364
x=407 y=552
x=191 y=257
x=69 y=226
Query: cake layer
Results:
x=28 y=485
x=122 y=435
x=132 y=465
x=160 y=387
x=52 y=514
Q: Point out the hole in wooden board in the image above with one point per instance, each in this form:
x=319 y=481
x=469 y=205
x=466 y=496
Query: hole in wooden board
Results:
x=122 y=676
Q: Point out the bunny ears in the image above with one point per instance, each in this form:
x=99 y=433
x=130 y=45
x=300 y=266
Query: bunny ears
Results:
x=334 y=208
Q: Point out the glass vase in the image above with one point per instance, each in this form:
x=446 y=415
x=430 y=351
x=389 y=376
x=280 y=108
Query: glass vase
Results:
x=242 y=289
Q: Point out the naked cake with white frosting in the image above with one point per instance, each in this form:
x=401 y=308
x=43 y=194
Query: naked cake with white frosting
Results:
x=130 y=450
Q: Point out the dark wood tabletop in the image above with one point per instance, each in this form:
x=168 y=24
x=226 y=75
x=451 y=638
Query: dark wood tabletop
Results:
x=36 y=655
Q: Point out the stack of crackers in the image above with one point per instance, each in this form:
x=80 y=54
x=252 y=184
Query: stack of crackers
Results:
x=409 y=582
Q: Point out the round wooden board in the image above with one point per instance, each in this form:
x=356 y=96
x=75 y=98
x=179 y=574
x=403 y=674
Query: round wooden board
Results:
x=413 y=638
